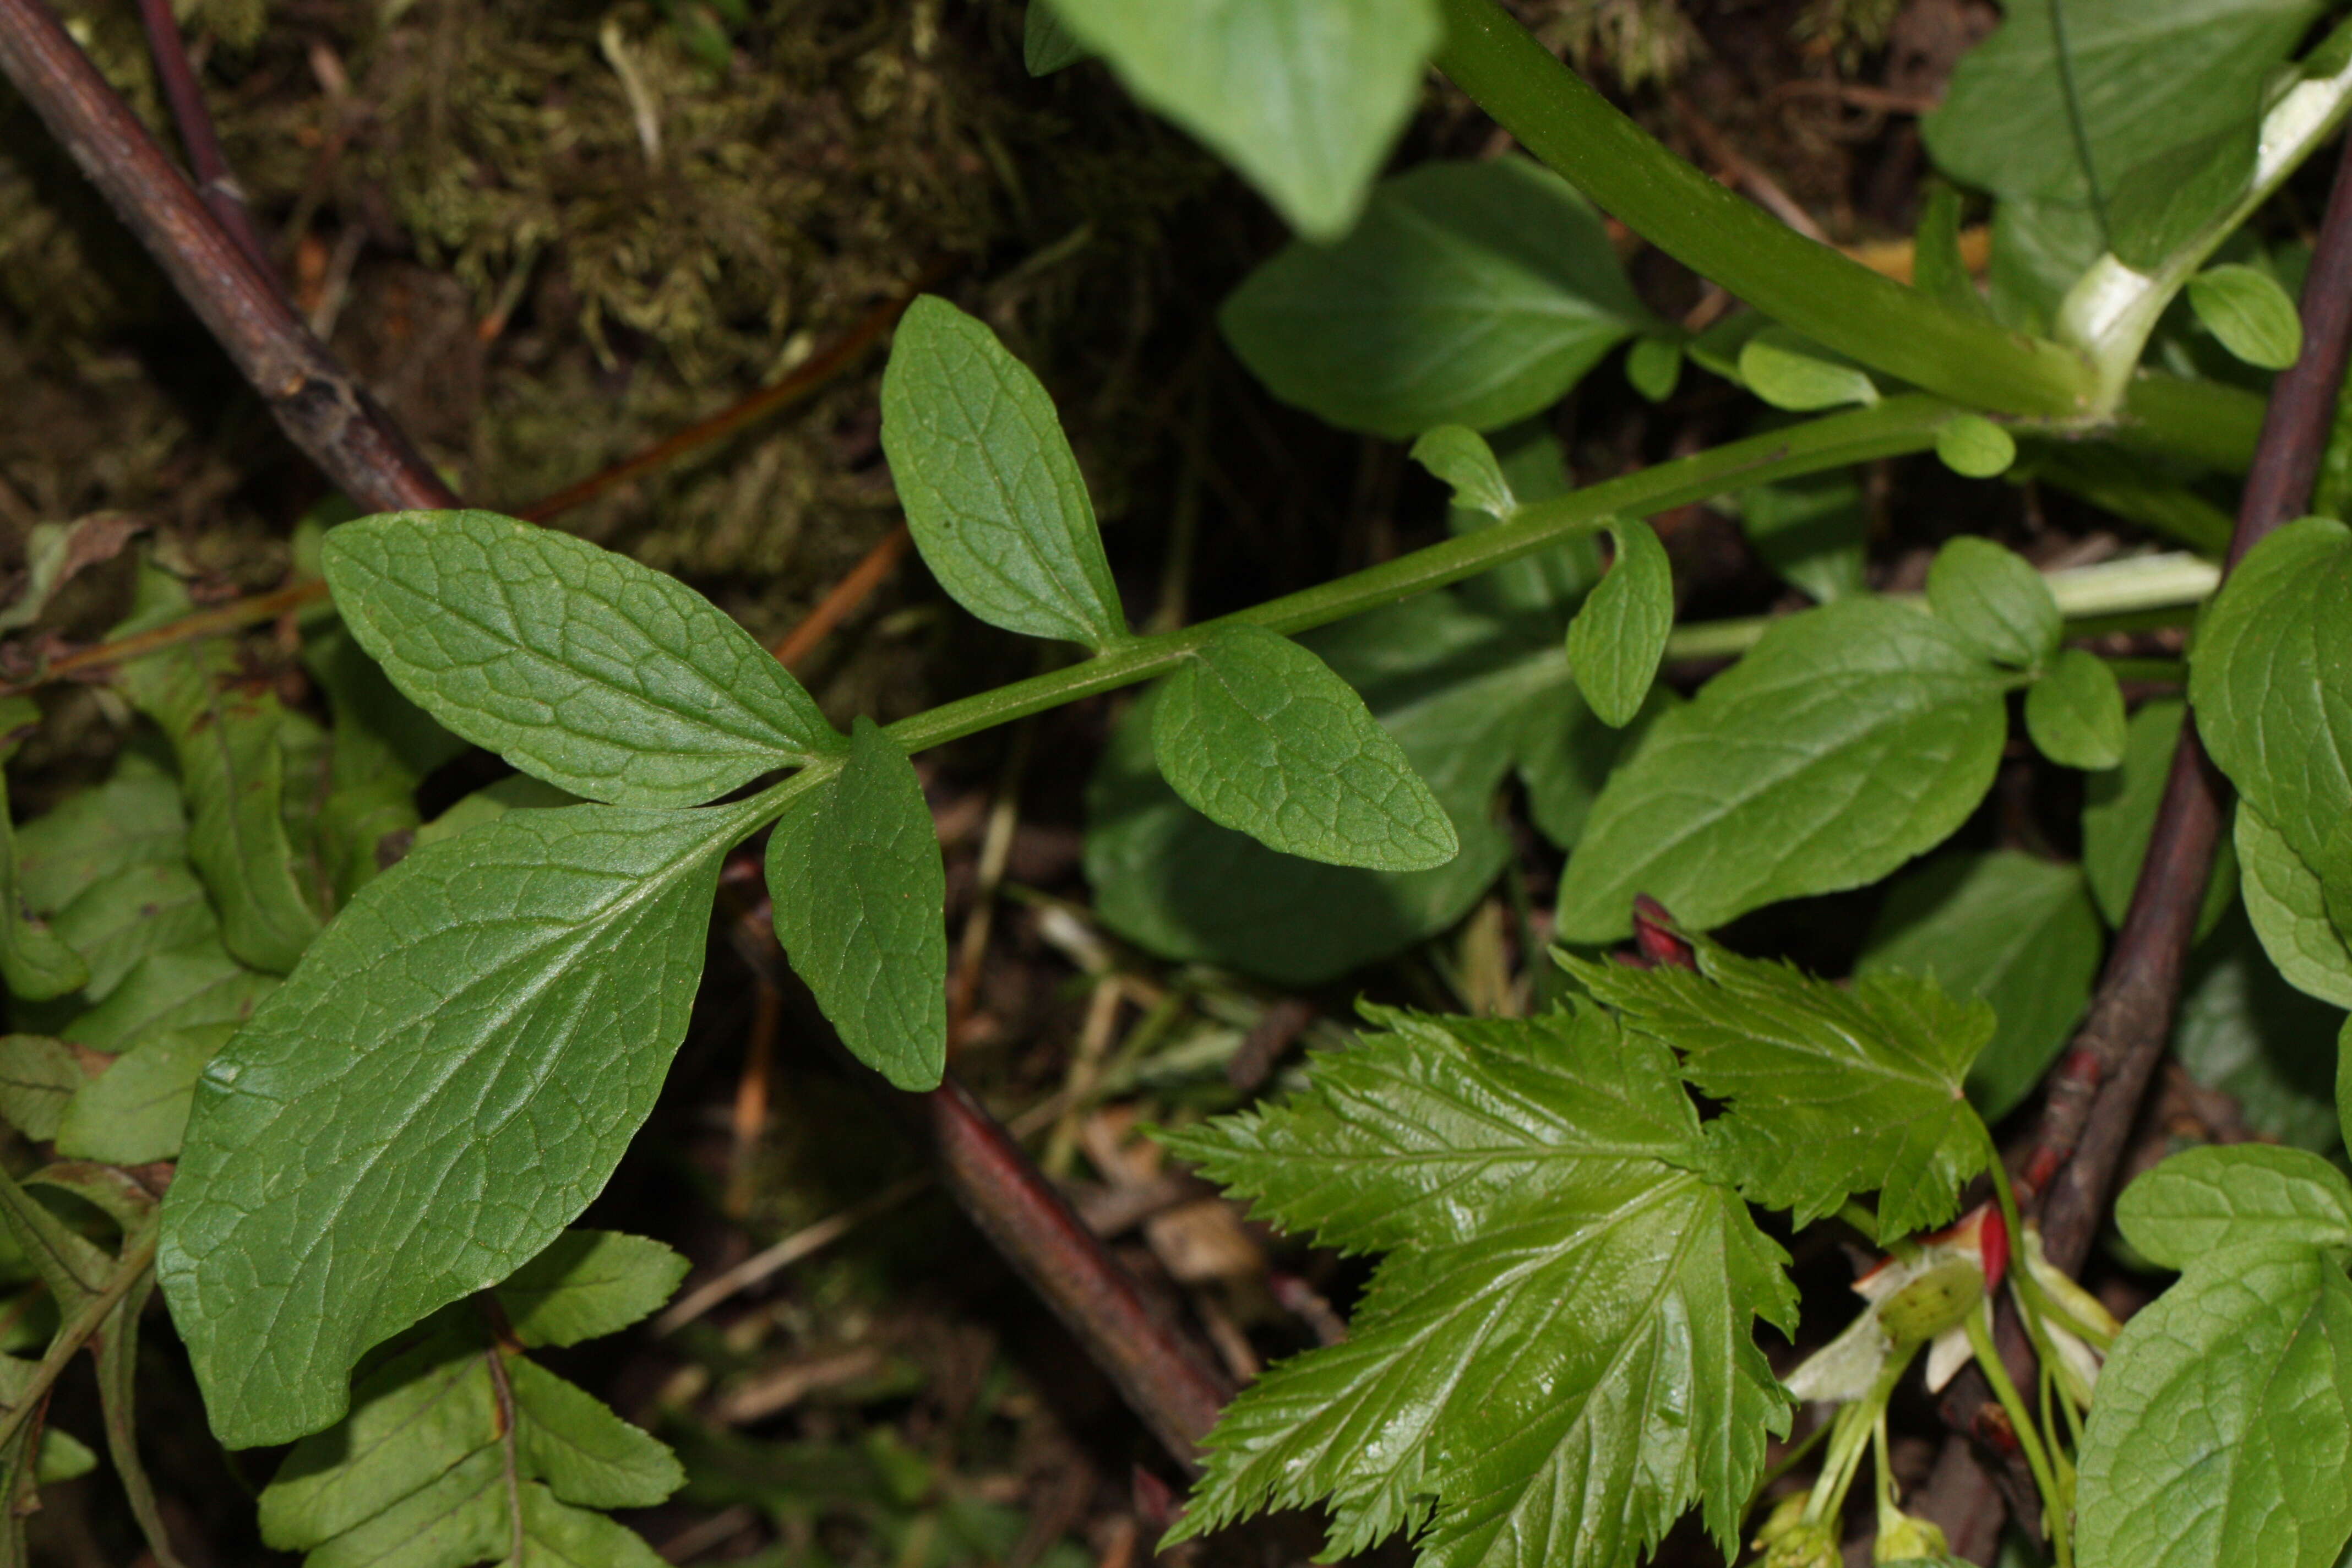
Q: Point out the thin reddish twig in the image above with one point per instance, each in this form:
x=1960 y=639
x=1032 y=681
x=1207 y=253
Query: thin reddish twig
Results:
x=844 y=596
x=194 y=122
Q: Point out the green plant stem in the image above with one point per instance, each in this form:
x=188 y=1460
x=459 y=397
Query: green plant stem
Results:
x=1839 y=302
x=137 y=1256
x=1897 y=425
x=2029 y=1439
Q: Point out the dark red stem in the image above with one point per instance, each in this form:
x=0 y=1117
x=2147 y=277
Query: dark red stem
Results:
x=181 y=89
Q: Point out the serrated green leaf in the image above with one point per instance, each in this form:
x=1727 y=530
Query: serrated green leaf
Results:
x=2245 y=1031
x=1975 y=447
x=133 y=820
x=33 y=961
x=1993 y=598
x=37 y=1077
x=584 y=1453
x=2075 y=712
x=578 y=666
x=2224 y=1425
x=2272 y=687
x=1257 y=734
x=185 y=988
x=1460 y=456
x=2148 y=79
x=2202 y=1200
x=2119 y=815
x=991 y=486
x=588 y=1284
x=2246 y=309
x=1852 y=737
x=1789 y=371
x=1654 y=366
x=1812 y=531
x=859 y=896
x=1303 y=97
x=2018 y=932
x=1473 y=293
x=1557 y=1359
x=1833 y=1091
x=2287 y=905
x=1619 y=637
x=495 y=1015
x=137 y=1109
x=1046 y=46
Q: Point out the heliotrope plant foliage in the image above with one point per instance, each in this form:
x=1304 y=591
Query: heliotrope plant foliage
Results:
x=395 y=1060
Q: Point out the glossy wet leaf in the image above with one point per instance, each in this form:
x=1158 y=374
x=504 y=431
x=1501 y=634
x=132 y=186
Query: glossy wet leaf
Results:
x=1791 y=372
x=1619 y=637
x=2202 y=1200
x=854 y=879
x=1523 y=1177
x=1257 y=734
x=1852 y=737
x=2246 y=309
x=1995 y=599
x=492 y=1016
x=1471 y=293
x=1833 y=1091
x=2119 y=814
x=588 y=1284
x=991 y=486
x=2223 y=1423
x=577 y=664
x=2018 y=932
x=2075 y=712
x=1304 y=96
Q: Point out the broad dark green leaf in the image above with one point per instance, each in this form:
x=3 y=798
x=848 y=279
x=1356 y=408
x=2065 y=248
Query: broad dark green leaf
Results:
x=854 y=879
x=2075 y=712
x=133 y=820
x=2271 y=681
x=1471 y=294
x=1810 y=531
x=1993 y=598
x=1833 y=1091
x=588 y=1284
x=35 y=963
x=2245 y=1031
x=992 y=488
x=2149 y=77
x=1789 y=371
x=1619 y=637
x=494 y=1016
x=2224 y=1426
x=2020 y=933
x=128 y=914
x=1304 y=96
x=137 y=1109
x=1257 y=734
x=2245 y=308
x=604 y=677
x=2287 y=904
x=2119 y=814
x=37 y=1077
x=2202 y=1200
x=1853 y=737
x=1557 y=1358
x=1046 y=46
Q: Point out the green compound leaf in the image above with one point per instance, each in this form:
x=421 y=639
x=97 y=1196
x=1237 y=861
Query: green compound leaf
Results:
x=1853 y=737
x=428 y=1469
x=2272 y=684
x=578 y=666
x=1257 y=734
x=492 y=1016
x=1303 y=97
x=588 y=1284
x=38 y=1076
x=1557 y=1358
x=35 y=963
x=2202 y=1200
x=2250 y=313
x=1833 y=1091
x=2018 y=932
x=1993 y=598
x=2223 y=1425
x=2287 y=904
x=1619 y=637
x=131 y=820
x=137 y=1109
x=859 y=895
x=1789 y=371
x=1471 y=294
x=992 y=488
x=2075 y=712
x=1460 y=456
x=1975 y=447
